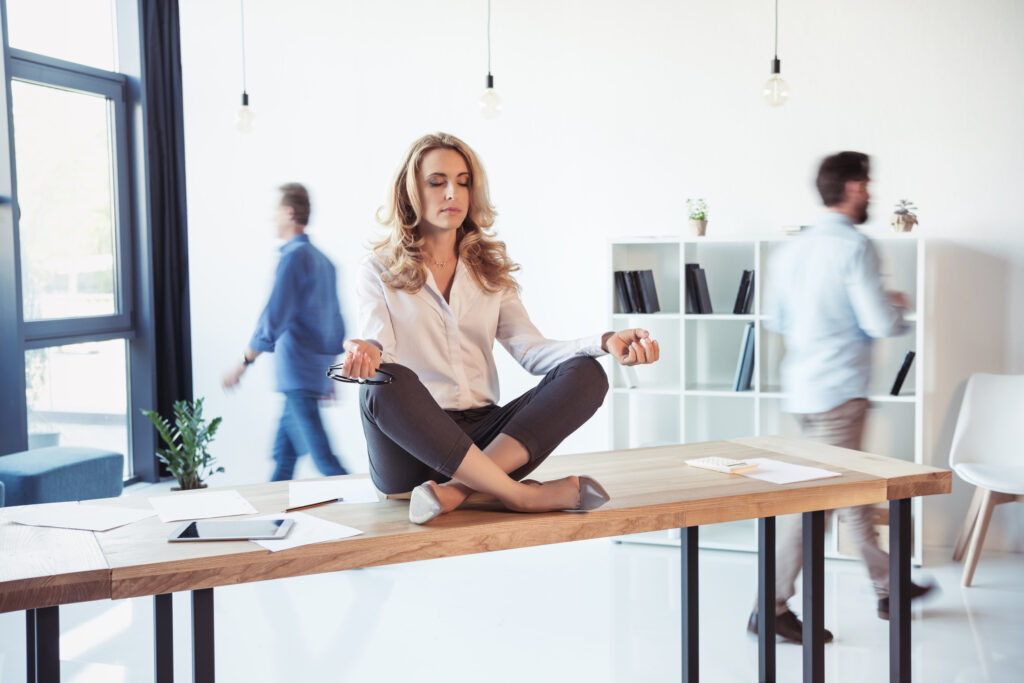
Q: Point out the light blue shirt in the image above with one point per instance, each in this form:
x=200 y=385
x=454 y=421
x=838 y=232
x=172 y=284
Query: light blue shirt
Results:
x=825 y=297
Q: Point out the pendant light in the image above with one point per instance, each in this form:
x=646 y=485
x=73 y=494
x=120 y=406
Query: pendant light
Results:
x=245 y=119
x=775 y=90
x=490 y=101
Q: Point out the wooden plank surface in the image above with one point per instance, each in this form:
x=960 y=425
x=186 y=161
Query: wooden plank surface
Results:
x=651 y=489
x=904 y=479
x=42 y=567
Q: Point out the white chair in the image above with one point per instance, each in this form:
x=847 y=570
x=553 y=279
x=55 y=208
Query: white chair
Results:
x=988 y=452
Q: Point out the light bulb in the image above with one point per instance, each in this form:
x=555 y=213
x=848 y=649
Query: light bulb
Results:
x=245 y=119
x=775 y=91
x=490 y=101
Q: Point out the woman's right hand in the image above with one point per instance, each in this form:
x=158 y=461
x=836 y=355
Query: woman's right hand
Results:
x=362 y=359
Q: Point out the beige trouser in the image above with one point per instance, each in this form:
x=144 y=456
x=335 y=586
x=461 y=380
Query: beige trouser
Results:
x=842 y=426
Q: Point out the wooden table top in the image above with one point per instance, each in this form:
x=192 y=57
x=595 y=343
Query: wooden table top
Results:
x=650 y=488
x=40 y=566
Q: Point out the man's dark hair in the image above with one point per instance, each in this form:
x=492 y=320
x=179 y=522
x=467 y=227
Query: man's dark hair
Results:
x=295 y=196
x=835 y=171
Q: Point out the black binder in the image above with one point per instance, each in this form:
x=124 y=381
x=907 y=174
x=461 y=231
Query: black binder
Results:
x=702 y=291
x=741 y=293
x=621 y=294
x=902 y=374
x=648 y=292
x=633 y=292
x=692 y=298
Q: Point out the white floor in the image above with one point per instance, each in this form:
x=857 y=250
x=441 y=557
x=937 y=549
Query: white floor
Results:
x=594 y=611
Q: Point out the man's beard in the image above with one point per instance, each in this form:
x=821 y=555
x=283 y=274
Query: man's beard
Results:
x=862 y=217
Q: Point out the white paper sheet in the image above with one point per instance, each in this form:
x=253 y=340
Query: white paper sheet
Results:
x=347 y=490
x=75 y=516
x=184 y=505
x=306 y=531
x=778 y=472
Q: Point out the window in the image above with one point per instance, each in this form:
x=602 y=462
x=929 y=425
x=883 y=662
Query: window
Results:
x=73 y=244
x=79 y=31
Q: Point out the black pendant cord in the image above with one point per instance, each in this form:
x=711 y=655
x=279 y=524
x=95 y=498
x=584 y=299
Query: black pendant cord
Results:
x=776 y=64
x=776 y=30
x=490 y=78
x=245 y=94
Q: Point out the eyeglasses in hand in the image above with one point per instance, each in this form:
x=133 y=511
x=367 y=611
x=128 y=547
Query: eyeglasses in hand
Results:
x=382 y=377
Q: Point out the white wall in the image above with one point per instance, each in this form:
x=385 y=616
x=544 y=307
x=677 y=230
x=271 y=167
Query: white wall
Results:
x=614 y=113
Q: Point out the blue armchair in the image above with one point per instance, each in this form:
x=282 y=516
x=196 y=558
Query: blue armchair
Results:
x=60 y=473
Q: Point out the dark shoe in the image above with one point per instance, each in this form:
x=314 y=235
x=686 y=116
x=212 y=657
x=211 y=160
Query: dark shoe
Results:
x=915 y=593
x=592 y=494
x=787 y=627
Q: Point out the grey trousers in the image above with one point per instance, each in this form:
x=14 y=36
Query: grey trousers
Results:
x=411 y=439
x=842 y=426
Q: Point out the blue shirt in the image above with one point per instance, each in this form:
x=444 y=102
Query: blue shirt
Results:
x=301 y=323
x=825 y=296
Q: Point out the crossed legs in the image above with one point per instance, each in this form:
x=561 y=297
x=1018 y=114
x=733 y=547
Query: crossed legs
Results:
x=412 y=441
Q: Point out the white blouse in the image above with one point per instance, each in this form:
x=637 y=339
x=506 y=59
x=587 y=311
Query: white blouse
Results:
x=449 y=344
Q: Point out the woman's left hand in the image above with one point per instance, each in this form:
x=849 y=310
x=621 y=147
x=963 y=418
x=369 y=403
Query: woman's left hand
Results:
x=632 y=347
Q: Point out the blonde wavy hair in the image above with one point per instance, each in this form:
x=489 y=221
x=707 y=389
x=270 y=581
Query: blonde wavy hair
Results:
x=400 y=251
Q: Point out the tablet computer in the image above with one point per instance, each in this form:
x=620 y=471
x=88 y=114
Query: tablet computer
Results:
x=232 y=529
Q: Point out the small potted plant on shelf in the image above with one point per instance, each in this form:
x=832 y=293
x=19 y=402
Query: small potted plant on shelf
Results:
x=698 y=213
x=186 y=455
x=903 y=218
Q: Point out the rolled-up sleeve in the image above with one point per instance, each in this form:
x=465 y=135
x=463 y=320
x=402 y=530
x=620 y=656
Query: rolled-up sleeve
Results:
x=374 y=316
x=524 y=342
x=875 y=315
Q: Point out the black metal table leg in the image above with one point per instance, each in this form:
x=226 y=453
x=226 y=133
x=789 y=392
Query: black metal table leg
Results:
x=899 y=591
x=766 y=599
x=202 y=635
x=814 y=597
x=30 y=644
x=691 y=662
x=163 y=645
x=42 y=636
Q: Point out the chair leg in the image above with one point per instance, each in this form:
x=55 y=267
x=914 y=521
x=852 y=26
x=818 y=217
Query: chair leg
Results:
x=988 y=503
x=968 y=527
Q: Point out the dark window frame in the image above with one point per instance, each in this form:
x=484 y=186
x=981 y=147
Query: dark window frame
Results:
x=133 y=320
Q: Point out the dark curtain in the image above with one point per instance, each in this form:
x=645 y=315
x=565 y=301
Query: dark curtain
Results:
x=166 y=159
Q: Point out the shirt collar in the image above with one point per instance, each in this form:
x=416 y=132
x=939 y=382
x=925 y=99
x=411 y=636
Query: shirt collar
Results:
x=834 y=219
x=295 y=242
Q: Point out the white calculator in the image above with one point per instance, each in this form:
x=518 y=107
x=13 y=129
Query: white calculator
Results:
x=727 y=465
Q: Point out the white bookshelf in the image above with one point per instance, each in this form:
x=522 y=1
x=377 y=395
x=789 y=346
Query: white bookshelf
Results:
x=688 y=397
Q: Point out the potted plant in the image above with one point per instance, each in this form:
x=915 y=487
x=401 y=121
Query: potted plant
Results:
x=903 y=218
x=698 y=213
x=186 y=455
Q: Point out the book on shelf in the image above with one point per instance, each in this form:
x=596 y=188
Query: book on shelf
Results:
x=621 y=294
x=632 y=293
x=692 y=302
x=698 y=299
x=635 y=291
x=744 y=295
x=648 y=292
x=745 y=362
x=901 y=376
x=702 y=291
x=748 y=302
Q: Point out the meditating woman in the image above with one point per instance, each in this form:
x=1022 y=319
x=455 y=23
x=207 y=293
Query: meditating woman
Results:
x=433 y=296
